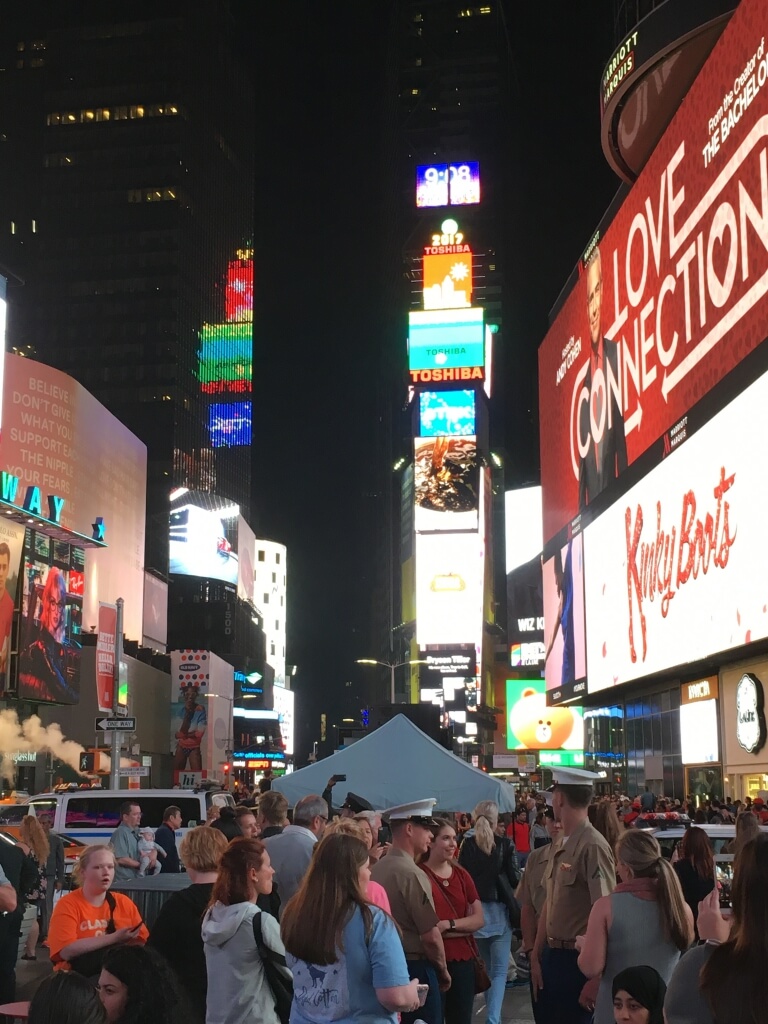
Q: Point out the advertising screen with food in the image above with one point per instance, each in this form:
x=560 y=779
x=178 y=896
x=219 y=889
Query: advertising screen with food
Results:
x=447 y=481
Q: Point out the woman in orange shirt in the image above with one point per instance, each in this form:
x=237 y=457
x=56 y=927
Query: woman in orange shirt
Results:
x=89 y=920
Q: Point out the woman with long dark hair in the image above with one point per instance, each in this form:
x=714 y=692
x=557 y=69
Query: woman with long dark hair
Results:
x=695 y=869
x=66 y=997
x=491 y=861
x=346 y=955
x=723 y=981
x=136 y=986
x=645 y=920
x=458 y=906
x=238 y=988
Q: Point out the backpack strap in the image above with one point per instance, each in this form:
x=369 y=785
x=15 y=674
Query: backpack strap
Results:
x=265 y=952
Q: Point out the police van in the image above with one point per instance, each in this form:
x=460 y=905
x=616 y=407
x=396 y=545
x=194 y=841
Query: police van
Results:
x=91 y=815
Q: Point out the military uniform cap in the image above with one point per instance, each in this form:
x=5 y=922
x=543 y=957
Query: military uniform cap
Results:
x=418 y=811
x=574 y=777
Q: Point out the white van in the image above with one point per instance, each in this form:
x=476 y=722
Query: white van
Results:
x=91 y=815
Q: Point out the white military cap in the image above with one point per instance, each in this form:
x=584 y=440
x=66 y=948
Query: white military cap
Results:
x=574 y=777
x=419 y=811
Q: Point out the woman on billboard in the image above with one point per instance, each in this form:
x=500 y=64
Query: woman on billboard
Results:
x=43 y=663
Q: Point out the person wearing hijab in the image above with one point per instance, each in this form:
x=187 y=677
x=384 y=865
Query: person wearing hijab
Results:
x=638 y=996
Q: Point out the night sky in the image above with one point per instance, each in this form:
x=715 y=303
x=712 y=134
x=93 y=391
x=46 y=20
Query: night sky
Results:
x=319 y=75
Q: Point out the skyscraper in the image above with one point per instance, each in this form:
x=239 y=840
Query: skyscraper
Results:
x=127 y=212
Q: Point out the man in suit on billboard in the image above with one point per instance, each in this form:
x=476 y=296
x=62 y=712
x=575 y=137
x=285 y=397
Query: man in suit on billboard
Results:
x=606 y=459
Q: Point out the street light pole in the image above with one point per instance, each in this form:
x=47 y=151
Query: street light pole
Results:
x=391 y=666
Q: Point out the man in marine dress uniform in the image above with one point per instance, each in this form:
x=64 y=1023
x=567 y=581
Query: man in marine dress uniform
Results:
x=579 y=871
x=410 y=896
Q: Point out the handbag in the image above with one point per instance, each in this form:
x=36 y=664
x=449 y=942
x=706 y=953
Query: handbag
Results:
x=280 y=985
x=482 y=979
x=89 y=964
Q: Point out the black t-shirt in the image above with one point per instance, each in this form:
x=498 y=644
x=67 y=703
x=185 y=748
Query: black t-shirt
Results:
x=695 y=888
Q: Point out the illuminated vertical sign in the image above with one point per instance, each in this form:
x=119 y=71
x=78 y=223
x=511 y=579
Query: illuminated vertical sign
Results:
x=448 y=184
x=225 y=359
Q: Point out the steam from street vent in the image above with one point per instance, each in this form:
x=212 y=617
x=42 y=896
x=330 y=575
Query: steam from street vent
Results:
x=32 y=735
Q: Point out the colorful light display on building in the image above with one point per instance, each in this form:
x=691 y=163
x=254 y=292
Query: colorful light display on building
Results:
x=225 y=359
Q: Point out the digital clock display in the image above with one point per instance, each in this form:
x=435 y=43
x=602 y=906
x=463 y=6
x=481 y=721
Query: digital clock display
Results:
x=448 y=184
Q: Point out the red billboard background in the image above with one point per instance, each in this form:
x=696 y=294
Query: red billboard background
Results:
x=684 y=279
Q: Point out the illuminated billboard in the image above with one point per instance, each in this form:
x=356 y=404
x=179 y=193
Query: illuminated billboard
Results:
x=203 y=537
x=564 y=624
x=238 y=292
x=531 y=725
x=51 y=621
x=447 y=413
x=446 y=340
x=525 y=615
x=673 y=296
x=447 y=280
x=229 y=424
x=456 y=184
x=522 y=525
x=675 y=569
x=284 y=705
x=449 y=589
x=446 y=484
x=58 y=437
x=226 y=354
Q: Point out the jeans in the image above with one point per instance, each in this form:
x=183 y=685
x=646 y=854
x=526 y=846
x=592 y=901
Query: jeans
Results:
x=432 y=1010
x=495 y=952
x=460 y=997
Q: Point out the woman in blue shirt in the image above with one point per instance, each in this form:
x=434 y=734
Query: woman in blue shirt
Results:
x=346 y=956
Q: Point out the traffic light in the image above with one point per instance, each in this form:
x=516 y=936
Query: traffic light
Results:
x=88 y=762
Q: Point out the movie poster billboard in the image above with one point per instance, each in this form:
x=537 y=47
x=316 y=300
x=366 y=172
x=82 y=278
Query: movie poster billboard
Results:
x=51 y=620
x=564 y=622
x=673 y=295
x=446 y=484
x=675 y=570
x=11 y=548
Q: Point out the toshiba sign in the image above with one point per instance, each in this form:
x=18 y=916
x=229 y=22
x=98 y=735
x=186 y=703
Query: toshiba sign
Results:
x=673 y=296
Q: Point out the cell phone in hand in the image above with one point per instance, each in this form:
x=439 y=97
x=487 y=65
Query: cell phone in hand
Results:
x=422 y=990
x=339 y=778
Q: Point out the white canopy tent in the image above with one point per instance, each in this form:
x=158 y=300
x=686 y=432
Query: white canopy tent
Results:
x=395 y=764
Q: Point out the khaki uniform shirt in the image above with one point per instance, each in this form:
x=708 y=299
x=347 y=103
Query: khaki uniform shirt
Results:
x=532 y=891
x=580 y=870
x=410 y=897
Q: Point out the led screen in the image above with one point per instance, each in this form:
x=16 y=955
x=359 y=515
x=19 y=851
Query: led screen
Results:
x=229 y=424
x=525 y=615
x=564 y=637
x=522 y=525
x=238 y=293
x=531 y=725
x=284 y=706
x=676 y=567
x=226 y=353
x=455 y=184
x=447 y=280
x=446 y=339
x=50 y=627
x=699 y=741
x=201 y=541
x=449 y=589
x=674 y=295
x=11 y=548
x=464 y=184
x=446 y=483
x=446 y=413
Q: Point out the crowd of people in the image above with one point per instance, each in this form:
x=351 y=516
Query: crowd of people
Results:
x=320 y=915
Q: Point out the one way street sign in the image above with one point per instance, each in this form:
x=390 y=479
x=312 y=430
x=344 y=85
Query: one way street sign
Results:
x=112 y=724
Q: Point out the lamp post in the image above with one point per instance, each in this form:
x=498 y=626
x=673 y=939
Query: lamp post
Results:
x=228 y=750
x=391 y=666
